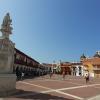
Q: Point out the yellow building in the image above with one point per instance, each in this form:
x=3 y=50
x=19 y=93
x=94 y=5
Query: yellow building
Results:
x=92 y=64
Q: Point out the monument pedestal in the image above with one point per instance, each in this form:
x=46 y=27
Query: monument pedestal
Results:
x=7 y=78
x=7 y=84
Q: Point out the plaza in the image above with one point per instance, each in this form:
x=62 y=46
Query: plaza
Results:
x=34 y=81
x=54 y=52
x=56 y=88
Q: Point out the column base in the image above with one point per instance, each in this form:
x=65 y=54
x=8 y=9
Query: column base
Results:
x=7 y=84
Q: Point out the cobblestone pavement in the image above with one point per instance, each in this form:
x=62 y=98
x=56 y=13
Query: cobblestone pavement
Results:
x=56 y=88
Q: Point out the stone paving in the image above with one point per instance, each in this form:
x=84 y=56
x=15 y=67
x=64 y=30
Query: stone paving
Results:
x=56 y=88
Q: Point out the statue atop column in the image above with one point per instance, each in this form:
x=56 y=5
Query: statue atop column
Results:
x=6 y=46
x=6 y=28
x=7 y=77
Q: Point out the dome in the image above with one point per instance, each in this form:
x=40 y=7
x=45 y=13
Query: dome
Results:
x=97 y=54
x=83 y=57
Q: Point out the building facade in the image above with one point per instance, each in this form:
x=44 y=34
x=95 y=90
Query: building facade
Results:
x=77 y=69
x=92 y=65
x=25 y=64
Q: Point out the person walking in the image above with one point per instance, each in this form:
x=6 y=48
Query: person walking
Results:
x=87 y=78
x=22 y=76
x=51 y=74
x=63 y=75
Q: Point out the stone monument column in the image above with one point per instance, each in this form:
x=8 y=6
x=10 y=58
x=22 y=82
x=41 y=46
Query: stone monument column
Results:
x=7 y=78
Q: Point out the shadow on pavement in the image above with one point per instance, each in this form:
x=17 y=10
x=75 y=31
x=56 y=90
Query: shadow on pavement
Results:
x=34 y=96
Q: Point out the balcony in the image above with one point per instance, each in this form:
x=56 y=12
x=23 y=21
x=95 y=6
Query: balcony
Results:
x=96 y=68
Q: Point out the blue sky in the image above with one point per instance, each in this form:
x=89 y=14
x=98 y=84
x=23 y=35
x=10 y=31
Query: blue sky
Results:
x=49 y=30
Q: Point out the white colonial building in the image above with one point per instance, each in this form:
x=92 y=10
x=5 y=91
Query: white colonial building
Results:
x=77 y=69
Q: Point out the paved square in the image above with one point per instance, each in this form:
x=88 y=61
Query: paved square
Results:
x=44 y=88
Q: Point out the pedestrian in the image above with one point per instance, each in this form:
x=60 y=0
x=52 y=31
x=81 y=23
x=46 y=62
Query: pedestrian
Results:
x=17 y=73
x=22 y=76
x=63 y=74
x=51 y=74
x=87 y=78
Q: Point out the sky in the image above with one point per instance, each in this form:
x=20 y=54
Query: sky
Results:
x=53 y=30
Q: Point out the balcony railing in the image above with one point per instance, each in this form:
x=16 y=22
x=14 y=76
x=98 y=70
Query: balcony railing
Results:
x=96 y=68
